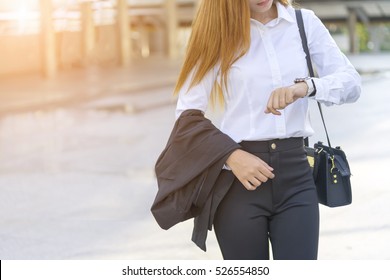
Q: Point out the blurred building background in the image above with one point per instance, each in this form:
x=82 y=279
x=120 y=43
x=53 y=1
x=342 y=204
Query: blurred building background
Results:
x=357 y=26
x=51 y=35
x=47 y=36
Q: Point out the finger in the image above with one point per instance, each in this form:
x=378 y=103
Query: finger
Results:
x=268 y=173
x=270 y=108
x=275 y=100
x=272 y=111
x=282 y=100
x=265 y=171
x=269 y=104
x=248 y=186
x=254 y=182
x=261 y=177
x=263 y=163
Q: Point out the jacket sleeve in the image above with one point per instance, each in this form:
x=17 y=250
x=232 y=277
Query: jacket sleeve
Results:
x=188 y=167
x=338 y=81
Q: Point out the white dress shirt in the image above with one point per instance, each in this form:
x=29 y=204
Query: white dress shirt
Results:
x=275 y=58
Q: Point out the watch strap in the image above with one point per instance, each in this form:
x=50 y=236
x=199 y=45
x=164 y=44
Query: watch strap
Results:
x=311 y=86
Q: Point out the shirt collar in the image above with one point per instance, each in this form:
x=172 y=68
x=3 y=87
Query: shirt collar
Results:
x=283 y=12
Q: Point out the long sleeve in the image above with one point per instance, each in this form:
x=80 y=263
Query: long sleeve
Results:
x=197 y=97
x=338 y=80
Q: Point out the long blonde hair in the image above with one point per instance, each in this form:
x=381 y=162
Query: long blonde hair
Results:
x=220 y=34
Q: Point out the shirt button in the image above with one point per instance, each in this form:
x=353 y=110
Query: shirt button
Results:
x=273 y=146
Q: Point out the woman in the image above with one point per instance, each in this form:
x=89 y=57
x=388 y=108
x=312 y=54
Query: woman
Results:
x=246 y=55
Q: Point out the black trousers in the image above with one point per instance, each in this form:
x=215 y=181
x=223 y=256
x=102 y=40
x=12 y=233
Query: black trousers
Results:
x=282 y=212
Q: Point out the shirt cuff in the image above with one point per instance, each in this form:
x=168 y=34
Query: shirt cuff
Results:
x=323 y=92
x=226 y=167
x=312 y=89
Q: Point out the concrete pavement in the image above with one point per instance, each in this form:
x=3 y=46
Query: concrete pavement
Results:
x=32 y=92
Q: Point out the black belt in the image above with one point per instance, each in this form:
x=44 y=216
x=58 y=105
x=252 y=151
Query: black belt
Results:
x=272 y=146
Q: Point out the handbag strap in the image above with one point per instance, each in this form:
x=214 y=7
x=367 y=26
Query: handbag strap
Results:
x=302 y=33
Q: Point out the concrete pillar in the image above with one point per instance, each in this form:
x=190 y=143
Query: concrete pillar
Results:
x=48 y=39
x=87 y=30
x=376 y=38
x=124 y=39
x=144 y=39
x=172 y=27
x=353 y=36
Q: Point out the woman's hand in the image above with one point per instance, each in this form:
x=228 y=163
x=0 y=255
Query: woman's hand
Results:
x=250 y=170
x=282 y=97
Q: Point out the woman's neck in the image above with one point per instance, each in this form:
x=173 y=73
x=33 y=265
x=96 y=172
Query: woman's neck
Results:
x=267 y=16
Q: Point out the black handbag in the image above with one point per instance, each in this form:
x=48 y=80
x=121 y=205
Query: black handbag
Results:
x=330 y=167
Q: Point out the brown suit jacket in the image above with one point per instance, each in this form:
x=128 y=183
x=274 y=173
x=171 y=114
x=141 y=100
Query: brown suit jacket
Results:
x=191 y=181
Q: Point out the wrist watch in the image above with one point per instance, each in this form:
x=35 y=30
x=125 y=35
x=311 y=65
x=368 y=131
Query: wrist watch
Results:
x=311 y=86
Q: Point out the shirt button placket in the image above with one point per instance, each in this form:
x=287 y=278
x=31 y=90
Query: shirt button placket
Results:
x=276 y=79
